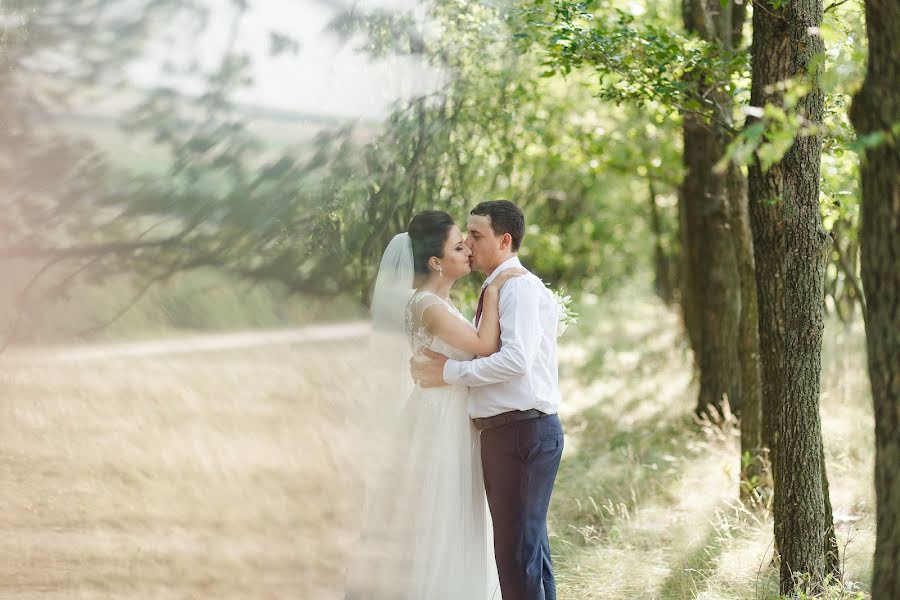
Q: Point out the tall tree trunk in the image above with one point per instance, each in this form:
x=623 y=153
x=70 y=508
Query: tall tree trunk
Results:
x=687 y=258
x=790 y=249
x=832 y=552
x=756 y=483
x=662 y=279
x=876 y=108
x=714 y=282
x=756 y=486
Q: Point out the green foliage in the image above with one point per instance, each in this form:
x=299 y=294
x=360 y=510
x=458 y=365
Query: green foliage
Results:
x=593 y=157
x=315 y=218
x=501 y=130
x=639 y=62
x=771 y=131
x=646 y=60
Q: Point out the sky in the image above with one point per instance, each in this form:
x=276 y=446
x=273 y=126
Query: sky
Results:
x=327 y=77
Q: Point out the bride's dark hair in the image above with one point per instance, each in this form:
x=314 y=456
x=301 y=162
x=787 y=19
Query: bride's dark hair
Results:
x=428 y=232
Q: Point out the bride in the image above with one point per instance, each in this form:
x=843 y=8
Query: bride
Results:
x=426 y=530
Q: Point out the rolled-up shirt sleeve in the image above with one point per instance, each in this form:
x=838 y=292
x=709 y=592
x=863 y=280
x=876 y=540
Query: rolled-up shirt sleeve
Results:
x=520 y=338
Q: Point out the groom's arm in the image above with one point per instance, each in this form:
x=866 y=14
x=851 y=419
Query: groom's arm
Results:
x=520 y=338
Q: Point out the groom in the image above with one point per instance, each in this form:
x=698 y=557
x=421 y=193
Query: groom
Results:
x=513 y=398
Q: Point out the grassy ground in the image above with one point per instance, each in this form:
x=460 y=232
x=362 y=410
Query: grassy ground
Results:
x=645 y=501
x=231 y=475
x=207 y=476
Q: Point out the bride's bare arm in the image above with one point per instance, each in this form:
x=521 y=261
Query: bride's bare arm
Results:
x=454 y=331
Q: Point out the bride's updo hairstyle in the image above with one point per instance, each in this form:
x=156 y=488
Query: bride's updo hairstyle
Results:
x=428 y=232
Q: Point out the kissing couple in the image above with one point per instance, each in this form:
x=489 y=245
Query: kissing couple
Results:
x=461 y=512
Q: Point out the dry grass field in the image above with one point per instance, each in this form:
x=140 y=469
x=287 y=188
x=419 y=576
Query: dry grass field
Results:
x=217 y=475
x=234 y=474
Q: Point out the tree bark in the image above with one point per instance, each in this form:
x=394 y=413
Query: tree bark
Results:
x=770 y=65
x=876 y=108
x=688 y=257
x=831 y=549
x=755 y=484
x=790 y=249
x=710 y=251
x=662 y=279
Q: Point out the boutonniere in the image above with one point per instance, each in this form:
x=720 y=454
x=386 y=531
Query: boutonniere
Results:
x=565 y=314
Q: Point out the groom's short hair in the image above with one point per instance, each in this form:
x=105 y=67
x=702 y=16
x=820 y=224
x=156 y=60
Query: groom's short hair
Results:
x=505 y=217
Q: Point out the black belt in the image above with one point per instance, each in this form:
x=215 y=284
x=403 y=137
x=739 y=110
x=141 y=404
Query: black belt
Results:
x=512 y=416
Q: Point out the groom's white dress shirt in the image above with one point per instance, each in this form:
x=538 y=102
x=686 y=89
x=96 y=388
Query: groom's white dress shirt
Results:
x=524 y=373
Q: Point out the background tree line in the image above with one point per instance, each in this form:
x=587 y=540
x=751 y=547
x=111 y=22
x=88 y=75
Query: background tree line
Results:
x=752 y=298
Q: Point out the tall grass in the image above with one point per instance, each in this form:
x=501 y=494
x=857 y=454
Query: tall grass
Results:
x=224 y=475
x=646 y=500
x=236 y=474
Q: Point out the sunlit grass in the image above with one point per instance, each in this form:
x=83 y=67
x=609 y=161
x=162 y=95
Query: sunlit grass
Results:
x=646 y=500
x=236 y=474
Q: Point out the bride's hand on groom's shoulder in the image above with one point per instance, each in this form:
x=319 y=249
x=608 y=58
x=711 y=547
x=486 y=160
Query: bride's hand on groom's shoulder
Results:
x=505 y=276
x=428 y=372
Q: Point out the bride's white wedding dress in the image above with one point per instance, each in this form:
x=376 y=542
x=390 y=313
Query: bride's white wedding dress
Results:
x=434 y=530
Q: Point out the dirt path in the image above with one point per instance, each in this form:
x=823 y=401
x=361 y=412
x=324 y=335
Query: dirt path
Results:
x=190 y=344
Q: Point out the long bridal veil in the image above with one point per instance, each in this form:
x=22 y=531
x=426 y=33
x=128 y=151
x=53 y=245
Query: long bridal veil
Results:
x=380 y=558
x=389 y=348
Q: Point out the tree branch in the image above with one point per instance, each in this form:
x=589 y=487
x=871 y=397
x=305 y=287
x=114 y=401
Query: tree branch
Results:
x=833 y=6
x=20 y=252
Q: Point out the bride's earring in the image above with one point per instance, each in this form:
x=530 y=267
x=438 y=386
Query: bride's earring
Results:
x=441 y=270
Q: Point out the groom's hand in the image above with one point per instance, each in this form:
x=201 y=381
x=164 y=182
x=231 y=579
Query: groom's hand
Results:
x=428 y=373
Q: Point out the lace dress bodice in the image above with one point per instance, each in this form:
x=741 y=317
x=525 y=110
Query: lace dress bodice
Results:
x=418 y=335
